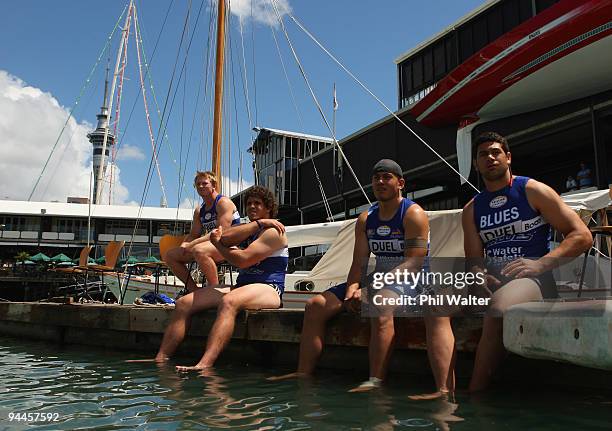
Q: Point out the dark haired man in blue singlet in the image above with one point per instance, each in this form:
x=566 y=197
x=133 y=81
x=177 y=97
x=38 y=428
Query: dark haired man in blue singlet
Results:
x=396 y=231
x=507 y=228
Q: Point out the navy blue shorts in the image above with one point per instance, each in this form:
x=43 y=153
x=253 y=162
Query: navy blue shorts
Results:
x=340 y=290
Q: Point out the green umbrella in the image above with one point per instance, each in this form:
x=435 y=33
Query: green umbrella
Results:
x=101 y=260
x=40 y=257
x=26 y=262
x=61 y=258
x=89 y=260
x=130 y=261
x=151 y=259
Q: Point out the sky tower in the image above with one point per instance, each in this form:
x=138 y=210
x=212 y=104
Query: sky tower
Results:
x=97 y=140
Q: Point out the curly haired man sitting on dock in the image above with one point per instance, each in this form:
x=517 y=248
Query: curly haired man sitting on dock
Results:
x=260 y=284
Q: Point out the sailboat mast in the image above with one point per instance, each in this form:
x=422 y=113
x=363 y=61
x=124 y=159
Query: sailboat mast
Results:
x=217 y=122
x=100 y=173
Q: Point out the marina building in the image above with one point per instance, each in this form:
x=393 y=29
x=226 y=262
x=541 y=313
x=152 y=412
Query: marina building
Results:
x=54 y=227
x=536 y=71
x=277 y=155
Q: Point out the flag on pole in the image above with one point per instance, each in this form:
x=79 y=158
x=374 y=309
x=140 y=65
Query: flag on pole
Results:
x=335 y=100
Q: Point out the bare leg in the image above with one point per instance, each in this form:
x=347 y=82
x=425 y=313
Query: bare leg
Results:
x=206 y=255
x=382 y=334
x=186 y=306
x=489 y=353
x=381 y=345
x=441 y=353
x=176 y=259
x=491 y=349
x=319 y=310
x=252 y=296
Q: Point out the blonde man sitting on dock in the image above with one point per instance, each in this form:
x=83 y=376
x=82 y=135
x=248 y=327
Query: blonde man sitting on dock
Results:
x=260 y=283
x=216 y=211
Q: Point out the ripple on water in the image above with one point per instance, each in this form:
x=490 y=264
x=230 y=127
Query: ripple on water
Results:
x=90 y=388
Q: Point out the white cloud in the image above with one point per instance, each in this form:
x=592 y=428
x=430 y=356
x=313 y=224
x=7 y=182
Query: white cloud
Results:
x=230 y=186
x=120 y=193
x=262 y=10
x=130 y=152
x=30 y=122
x=188 y=203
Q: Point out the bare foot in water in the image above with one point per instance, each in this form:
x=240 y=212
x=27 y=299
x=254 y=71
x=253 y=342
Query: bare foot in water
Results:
x=295 y=375
x=197 y=367
x=367 y=386
x=149 y=360
x=431 y=396
x=360 y=388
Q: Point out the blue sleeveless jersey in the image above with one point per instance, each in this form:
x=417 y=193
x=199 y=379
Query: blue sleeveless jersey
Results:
x=508 y=226
x=208 y=218
x=386 y=242
x=386 y=237
x=271 y=270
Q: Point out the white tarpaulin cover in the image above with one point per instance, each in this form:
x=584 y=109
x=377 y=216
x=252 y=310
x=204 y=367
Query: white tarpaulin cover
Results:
x=589 y=201
x=446 y=237
x=312 y=234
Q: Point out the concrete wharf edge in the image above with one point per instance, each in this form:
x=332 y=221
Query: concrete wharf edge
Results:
x=52 y=321
x=269 y=337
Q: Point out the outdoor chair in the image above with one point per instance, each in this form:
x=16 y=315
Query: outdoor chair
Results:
x=83 y=258
x=111 y=254
x=166 y=243
x=604 y=231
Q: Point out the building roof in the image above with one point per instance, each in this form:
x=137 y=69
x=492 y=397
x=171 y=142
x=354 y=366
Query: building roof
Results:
x=296 y=134
x=447 y=30
x=25 y=208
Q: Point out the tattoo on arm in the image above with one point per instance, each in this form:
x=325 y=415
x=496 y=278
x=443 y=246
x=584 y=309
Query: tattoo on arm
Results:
x=415 y=243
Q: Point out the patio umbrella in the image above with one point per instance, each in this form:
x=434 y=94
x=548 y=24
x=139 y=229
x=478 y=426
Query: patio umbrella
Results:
x=151 y=259
x=130 y=261
x=61 y=258
x=101 y=260
x=89 y=260
x=40 y=257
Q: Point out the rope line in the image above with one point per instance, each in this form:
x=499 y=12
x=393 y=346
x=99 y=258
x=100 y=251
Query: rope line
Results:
x=314 y=39
x=85 y=85
x=316 y=101
x=326 y=205
x=146 y=106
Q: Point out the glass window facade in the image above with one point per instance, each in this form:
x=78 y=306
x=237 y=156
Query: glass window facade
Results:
x=20 y=223
x=277 y=158
x=126 y=227
x=72 y=225
x=161 y=228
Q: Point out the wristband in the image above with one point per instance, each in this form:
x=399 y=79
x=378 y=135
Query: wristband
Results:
x=259 y=225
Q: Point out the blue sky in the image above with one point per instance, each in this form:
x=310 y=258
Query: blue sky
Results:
x=53 y=49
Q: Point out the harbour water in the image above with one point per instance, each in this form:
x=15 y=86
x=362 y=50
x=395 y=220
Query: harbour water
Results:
x=47 y=387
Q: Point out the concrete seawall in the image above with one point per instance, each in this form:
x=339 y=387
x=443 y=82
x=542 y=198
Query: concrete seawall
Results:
x=269 y=337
